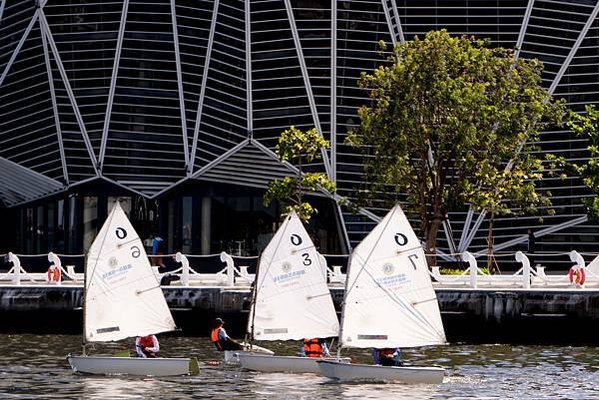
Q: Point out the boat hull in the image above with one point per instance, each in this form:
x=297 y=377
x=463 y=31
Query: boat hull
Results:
x=292 y=364
x=232 y=356
x=362 y=372
x=106 y=365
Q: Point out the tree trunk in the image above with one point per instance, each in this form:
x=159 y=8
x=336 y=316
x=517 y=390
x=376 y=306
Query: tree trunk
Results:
x=431 y=242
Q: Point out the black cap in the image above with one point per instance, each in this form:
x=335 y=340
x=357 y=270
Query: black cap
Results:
x=219 y=321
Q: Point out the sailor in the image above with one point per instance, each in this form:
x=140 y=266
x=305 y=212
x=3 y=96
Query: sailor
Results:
x=147 y=346
x=314 y=348
x=387 y=357
x=221 y=340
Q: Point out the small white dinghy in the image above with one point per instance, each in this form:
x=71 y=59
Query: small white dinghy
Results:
x=363 y=372
x=232 y=356
x=106 y=365
x=389 y=302
x=291 y=299
x=292 y=364
x=123 y=299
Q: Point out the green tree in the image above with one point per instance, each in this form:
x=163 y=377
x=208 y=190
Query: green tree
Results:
x=587 y=125
x=299 y=147
x=452 y=122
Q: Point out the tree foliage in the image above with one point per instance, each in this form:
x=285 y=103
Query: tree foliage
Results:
x=298 y=147
x=448 y=115
x=587 y=125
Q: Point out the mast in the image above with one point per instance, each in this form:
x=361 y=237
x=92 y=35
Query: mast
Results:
x=345 y=291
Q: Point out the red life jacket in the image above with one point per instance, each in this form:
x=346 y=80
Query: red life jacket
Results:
x=146 y=341
x=313 y=348
x=214 y=338
x=384 y=353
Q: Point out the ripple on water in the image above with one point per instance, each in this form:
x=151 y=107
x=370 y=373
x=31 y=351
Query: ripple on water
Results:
x=34 y=366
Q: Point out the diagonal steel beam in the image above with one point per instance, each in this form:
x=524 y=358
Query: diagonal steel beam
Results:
x=308 y=86
x=63 y=159
x=554 y=84
x=36 y=16
x=389 y=23
x=248 y=69
x=402 y=38
x=180 y=83
x=524 y=27
x=540 y=233
x=65 y=80
x=113 y=78
x=574 y=49
x=208 y=57
x=2 y=4
x=334 y=95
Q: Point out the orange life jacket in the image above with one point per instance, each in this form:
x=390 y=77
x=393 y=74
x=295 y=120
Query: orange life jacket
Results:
x=215 y=339
x=313 y=348
x=54 y=274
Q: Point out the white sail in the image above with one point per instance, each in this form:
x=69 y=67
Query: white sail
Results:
x=122 y=295
x=293 y=300
x=389 y=299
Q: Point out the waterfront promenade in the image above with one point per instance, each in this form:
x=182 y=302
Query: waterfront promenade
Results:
x=474 y=306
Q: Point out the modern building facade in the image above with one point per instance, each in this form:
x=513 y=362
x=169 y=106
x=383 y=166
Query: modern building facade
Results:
x=176 y=106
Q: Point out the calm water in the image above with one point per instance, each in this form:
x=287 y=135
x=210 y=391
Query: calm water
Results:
x=34 y=366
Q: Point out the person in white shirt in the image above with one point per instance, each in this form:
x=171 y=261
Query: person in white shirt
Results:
x=147 y=346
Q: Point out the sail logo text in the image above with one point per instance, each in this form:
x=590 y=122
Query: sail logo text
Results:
x=110 y=275
x=289 y=276
x=394 y=280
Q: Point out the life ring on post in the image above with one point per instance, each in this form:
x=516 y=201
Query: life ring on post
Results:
x=577 y=275
x=54 y=274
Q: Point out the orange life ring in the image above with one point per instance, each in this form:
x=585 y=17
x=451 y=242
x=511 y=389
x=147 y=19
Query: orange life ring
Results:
x=577 y=275
x=53 y=274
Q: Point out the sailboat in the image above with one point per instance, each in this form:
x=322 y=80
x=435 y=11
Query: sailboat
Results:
x=123 y=299
x=291 y=299
x=389 y=302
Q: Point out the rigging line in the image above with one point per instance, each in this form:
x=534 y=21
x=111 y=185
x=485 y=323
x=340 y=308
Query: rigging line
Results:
x=129 y=241
x=348 y=289
x=258 y=284
x=99 y=252
x=403 y=302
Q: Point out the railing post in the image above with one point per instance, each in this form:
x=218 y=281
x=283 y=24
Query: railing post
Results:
x=224 y=257
x=16 y=272
x=469 y=258
x=577 y=258
x=523 y=259
x=180 y=258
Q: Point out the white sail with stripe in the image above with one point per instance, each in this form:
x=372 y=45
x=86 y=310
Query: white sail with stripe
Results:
x=123 y=297
x=292 y=299
x=389 y=299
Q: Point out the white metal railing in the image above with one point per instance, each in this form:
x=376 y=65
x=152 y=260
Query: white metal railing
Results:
x=232 y=275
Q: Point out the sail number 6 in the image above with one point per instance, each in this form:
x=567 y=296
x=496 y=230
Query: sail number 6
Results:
x=401 y=239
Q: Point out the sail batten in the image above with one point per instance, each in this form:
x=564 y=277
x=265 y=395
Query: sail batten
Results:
x=389 y=299
x=292 y=299
x=120 y=296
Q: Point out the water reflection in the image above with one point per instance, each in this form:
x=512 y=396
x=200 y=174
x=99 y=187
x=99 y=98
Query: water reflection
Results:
x=34 y=366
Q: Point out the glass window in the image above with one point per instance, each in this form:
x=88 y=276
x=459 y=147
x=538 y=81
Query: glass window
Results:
x=186 y=214
x=72 y=225
x=40 y=230
x=90 y=221
x=60 y=232
x=29 y=229
x=51 y=226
